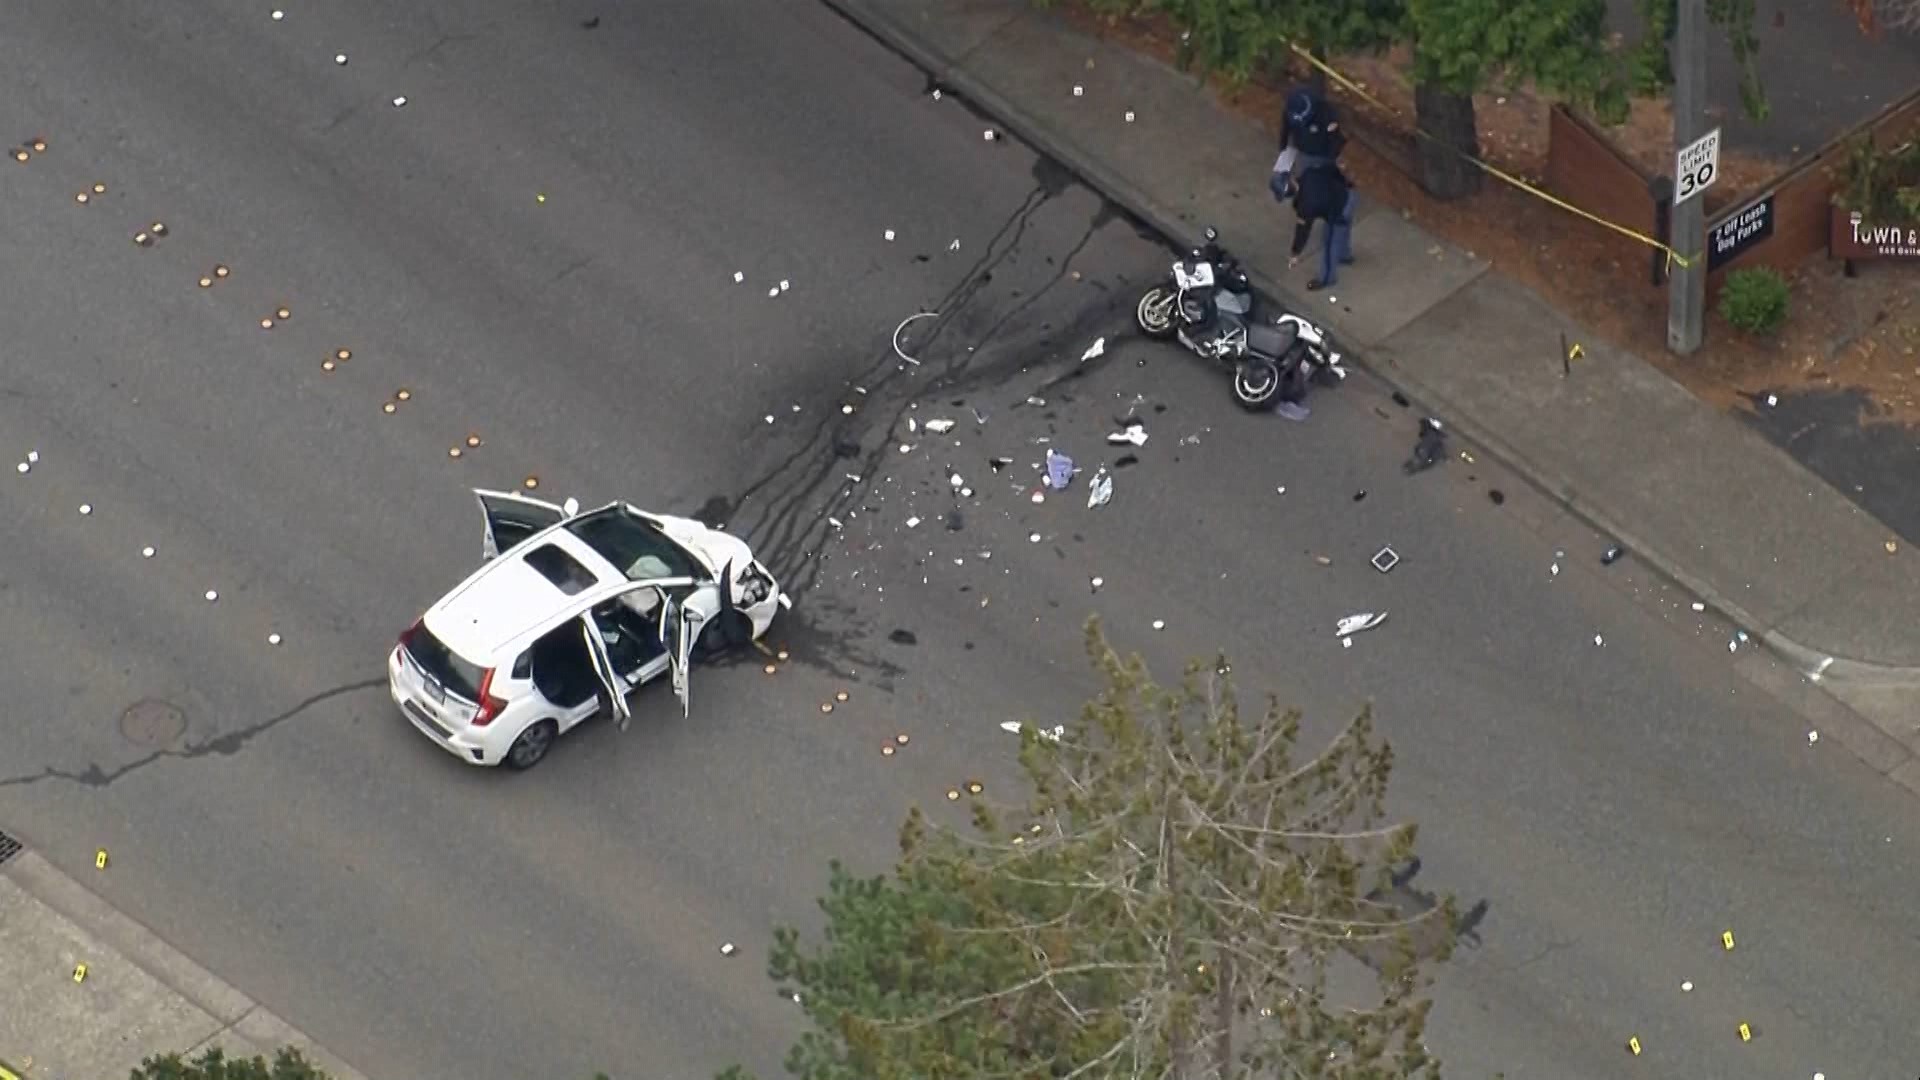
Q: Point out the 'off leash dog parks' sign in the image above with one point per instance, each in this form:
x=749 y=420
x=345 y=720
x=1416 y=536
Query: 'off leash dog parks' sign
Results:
x=1739 y=231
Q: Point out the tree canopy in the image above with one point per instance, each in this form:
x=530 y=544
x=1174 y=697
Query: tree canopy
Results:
x=1181 y=898
x=213 y=1064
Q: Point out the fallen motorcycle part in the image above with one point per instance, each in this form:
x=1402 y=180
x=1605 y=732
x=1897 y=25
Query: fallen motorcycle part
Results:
x=904 y=323
x=1100 y=492
x=1059 y=470
x=1354 y=624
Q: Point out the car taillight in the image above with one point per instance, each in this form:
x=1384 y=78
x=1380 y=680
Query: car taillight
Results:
x=490 y=706
x=407 y=634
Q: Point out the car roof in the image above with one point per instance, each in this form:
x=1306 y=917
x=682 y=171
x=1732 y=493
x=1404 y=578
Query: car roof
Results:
x=506 y=599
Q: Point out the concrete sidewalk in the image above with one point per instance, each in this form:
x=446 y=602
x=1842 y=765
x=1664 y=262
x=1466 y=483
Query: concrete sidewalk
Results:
x=1689 y=490
x=139 y=997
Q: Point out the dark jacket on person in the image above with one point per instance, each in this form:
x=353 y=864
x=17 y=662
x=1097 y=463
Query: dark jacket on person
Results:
x=1311 y=126
x=1321 y=195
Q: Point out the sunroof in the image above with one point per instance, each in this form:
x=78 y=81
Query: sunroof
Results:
x=565 y=571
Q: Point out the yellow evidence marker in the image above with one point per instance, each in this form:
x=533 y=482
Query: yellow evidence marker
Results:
x=80 y=973
x=1633 y=1044
x=100 y=859
x=1726 y=939
x=1746 y=1033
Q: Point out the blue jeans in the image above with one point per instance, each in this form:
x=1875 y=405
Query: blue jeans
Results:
x=1337 y=250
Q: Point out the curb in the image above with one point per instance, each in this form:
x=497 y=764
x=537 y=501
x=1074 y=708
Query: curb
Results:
x=1092 y=172
x=173 y=969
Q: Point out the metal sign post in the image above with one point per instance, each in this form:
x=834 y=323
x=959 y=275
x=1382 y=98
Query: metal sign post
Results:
x=1696 y=167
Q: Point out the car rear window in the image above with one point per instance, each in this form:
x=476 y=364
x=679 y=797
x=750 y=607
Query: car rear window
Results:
x=565 y=571
x=457 y=675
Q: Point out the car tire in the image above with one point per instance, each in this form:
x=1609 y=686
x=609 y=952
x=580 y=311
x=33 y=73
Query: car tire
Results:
x=723 y=635
x=532 y=746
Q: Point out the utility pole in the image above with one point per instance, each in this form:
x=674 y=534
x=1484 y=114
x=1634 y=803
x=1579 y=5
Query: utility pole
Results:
x=1687 y=300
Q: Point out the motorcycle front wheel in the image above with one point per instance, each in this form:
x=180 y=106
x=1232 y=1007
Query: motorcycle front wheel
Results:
x=1157 y=313
x=1256 y=383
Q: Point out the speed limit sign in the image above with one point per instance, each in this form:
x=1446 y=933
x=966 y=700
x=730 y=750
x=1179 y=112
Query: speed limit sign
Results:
x=1696 y=167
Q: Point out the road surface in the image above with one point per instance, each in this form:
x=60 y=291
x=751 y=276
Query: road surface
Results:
x=541 y=245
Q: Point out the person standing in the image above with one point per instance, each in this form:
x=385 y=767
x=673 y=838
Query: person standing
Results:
x=1324 y=193
x=1310 y=136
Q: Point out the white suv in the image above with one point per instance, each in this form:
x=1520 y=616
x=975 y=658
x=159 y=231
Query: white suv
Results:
x=575 y=612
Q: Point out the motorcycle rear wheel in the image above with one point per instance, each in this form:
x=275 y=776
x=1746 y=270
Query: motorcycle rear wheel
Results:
x=1157 y=313
x=1256 y=384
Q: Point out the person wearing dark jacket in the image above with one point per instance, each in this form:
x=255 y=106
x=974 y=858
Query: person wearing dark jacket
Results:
x=1310 y=135
x=1324 y=194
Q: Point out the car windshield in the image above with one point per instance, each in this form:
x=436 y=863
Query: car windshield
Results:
x=635 y=545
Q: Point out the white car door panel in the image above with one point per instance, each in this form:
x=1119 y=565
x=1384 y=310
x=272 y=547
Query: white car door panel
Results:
x=511 y=517
x=614 y=686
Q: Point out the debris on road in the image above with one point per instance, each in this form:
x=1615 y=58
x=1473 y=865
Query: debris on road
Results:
x=1385 y=559
x=1134 y=435
x=1612 y=555
x=898 y=351
x=1095 y=583
x=1354 y=624
x=1095 y=350
x=1059 y=470
x=1821 y=672
x=1291 y=411
x=1430 y=450
x=1100 y=492
x=146 y=553
x=1159 y=624
x=1496 y=496
x=400 y=102
x=727 y=949
x=939 y=427
x=1812 y=737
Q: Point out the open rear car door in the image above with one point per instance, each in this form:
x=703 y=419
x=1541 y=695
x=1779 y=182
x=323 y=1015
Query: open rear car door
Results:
x=512 y=517
x=610 y=681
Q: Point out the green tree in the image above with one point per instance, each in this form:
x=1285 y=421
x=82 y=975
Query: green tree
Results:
x=1171 y=902
x=213 y=1064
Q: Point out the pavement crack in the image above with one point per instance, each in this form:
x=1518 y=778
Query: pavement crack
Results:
x=224 y=745
x=444 y=39
x=1548 y=950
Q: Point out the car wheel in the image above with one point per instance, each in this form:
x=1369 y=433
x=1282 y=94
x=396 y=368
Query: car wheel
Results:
x=723 y=635
x=532 y=745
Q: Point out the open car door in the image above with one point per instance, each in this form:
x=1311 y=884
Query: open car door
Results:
x=680 y=626
x=612 y=683
x=512 y=517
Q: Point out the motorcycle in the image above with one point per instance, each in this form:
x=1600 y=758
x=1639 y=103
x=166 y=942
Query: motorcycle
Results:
x=1207 y=304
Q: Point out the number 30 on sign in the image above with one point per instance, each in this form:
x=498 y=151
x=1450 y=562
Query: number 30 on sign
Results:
x=1696 y=167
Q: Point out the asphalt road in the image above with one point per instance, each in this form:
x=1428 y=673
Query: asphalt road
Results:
x=1617 y=806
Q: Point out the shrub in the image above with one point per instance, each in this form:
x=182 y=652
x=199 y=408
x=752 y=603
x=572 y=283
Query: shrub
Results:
x=1754 y=300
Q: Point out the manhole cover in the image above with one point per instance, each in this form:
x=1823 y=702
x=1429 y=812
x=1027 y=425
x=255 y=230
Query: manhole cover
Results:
x=152 y=723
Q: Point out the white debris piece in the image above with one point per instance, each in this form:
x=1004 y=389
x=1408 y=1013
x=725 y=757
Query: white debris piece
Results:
x=939 y=427
x=1100 y=492
x=1812 y=737
x=957 y=480
x=727 y=949
x=340 y=58
x=278 y=14
x=1097 y=582
x=273 y=639
x=1129 y=116
x=1159 y=624
x=146 y=553
x=1598 y=640
x=23 y=468
x=955 y=246
x=738 y=277
x=785 y=285
x=1354 y=624
x=889 y=235
x=913 y=523
x=1134 y=435
x=1698 y=606
x=33 y=457
x=85 y=509
x=1079 y=91
x=399 y=102
x=212 y=595
x=1098 y=348
x=1033 y=538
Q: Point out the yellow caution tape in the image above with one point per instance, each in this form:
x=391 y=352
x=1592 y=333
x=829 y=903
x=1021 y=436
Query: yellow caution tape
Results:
x=1353 y=87
x=6 y=1073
